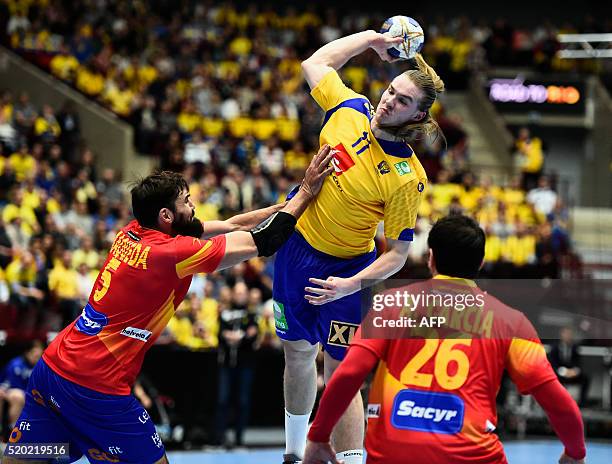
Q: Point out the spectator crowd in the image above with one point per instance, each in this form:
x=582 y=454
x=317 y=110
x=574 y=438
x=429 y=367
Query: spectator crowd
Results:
x=216 y=93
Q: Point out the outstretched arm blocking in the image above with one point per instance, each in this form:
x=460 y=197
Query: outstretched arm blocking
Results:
x=272 y=234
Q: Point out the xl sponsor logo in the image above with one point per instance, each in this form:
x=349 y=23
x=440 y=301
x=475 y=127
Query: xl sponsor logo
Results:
x=137 y=334
x=341 y=333
x=91 y=321
x=428 y=412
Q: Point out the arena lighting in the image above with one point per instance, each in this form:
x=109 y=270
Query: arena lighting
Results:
x=516 y=91
x=581 y=45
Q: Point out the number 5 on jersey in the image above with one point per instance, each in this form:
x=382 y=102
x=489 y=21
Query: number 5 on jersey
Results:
x=106 y=277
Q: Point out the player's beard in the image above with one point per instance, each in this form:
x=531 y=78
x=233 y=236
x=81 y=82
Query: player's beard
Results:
x=191 y=227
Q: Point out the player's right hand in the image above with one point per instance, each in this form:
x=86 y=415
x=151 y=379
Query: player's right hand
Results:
x=320 y=167
x=319 y=453
x=381 y=42
x=565 y=459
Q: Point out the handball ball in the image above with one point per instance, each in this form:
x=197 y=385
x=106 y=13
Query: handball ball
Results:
x=410 y=30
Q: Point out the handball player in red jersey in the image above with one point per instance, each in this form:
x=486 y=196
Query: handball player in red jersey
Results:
x=79 y=392
x=432 y=400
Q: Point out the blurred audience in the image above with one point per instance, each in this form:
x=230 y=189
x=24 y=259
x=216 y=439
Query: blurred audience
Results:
x=216 y=93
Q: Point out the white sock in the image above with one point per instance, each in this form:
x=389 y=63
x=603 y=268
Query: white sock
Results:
x=296 y=429
x=350 y=456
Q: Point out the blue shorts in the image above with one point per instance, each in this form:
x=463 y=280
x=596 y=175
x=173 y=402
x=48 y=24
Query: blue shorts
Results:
x=332 y=324
x=104 y=428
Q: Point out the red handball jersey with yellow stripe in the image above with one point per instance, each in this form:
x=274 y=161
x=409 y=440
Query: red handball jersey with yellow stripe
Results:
x=432 y=400
x=145 y=277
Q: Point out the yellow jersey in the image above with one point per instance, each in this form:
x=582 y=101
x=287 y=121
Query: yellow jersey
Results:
x=373 y=179
x=533 y=154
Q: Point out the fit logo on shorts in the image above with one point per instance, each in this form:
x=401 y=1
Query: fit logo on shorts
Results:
x=427 y=412
x=341 y=333
x=91 y=321
x=280 y=321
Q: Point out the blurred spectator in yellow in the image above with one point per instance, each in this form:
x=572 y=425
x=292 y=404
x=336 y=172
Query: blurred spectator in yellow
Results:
x=180 y=326
x=46 y=127
x=296 y=159
x=519 y=249
x=22 y=162
x=514 y=194
x=64 y=65
x=530 y=152
x=443 y=190
x=86 y=254
x=21 y=276
x=470 y=193
x=493 y=249
x=118 y=96
x=188 y=119
x=89 y=81
x=17 y=209
x=63 y=284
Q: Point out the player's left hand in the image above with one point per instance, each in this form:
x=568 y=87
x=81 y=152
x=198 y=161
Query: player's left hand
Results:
x=319 y=453
x=331 y=289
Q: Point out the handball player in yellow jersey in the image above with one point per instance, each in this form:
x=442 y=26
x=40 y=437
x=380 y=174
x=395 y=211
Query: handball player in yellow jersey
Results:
x=319 y=271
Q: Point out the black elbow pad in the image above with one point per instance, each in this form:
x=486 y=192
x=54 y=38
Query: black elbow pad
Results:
x=271 y=234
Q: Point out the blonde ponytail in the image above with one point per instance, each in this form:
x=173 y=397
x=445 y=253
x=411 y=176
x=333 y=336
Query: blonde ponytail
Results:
x=431 y=72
